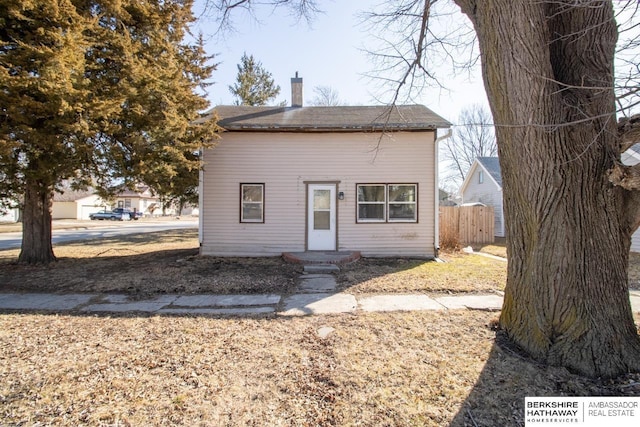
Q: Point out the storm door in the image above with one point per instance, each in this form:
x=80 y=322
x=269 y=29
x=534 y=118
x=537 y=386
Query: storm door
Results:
x=321 y=217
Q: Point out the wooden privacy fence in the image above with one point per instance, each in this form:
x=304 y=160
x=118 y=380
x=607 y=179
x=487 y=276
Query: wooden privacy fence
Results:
x=466 y=225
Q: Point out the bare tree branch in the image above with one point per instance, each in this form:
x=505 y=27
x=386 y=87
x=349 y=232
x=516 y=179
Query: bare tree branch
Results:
x=417 y=39
x=627 y=177
x=627 y=56
x=222 y=11
x=326 y=96
x=629 y=132
x=472 y=138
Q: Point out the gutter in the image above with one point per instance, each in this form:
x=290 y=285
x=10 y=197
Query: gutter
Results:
x=436 y=236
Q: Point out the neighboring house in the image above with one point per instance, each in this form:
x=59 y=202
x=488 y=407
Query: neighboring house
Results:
x=9 y=214
x=76 y=204
x=632 y=157
x=483 y=184
x=141 y=199
x=292 y=179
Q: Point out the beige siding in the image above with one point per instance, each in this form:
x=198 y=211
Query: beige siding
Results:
x=285 y=161
x=64 y=210
x=80 y=209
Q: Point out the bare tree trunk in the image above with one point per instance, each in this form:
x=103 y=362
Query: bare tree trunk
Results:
x=36 y=224
x=548 y=70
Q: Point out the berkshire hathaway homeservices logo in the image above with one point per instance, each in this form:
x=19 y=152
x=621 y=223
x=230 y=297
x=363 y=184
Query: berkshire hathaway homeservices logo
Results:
x=582 y=411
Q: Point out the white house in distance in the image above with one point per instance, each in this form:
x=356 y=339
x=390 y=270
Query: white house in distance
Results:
x=79 y=204
x=76 y=204
x=483 y=184
x=9 y=215
x=293 y=179
x=141 y=199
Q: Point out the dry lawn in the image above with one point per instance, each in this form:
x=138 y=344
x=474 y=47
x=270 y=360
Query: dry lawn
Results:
x=459 y=273
x=168 y=262
x=391 y=369
x=143 y=264
x=378 y=369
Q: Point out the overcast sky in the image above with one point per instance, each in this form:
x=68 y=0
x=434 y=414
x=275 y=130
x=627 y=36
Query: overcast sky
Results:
x=327 y=53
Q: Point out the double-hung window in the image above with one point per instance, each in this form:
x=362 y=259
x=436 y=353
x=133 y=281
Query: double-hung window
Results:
x=372 y=202
x=387 y=203
x=251 y=202
x=402 y=203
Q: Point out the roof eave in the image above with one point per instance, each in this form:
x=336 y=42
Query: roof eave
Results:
x=315 y=128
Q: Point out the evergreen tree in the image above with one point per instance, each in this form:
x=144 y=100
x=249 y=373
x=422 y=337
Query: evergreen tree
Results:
x=94 y=92
x=254 y=85
x=178 y=187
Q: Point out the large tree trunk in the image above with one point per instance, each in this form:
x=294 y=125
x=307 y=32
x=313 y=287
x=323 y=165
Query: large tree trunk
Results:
x=36 y=224
x=548 y=70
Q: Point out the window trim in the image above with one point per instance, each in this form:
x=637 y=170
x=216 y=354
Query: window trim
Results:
x=386 y=203
x=480 y=177
x=415 y=203
x=383 y=203
x=242 y=202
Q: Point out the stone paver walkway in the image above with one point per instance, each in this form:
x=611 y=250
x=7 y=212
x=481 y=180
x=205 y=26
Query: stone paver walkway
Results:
x=299 y=304
x=316 y=294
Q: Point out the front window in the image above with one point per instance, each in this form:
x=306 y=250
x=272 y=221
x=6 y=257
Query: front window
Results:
x=252 y=203
x=402 y=202
x=387 y=202
x=371 y=203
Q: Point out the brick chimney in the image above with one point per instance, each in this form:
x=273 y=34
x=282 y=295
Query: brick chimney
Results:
x=296 y=91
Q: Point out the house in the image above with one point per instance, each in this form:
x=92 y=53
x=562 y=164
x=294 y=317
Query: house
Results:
x=483 y=184
x=293 y=179
x=142 y=199
x=10 y=213
x=632 y=157
x=76 y=204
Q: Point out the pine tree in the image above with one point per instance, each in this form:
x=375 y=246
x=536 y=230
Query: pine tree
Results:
x=254 y=85
x=94 y=92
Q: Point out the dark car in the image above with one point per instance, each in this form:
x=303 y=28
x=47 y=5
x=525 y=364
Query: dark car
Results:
x=132 y=214
x=110 y=215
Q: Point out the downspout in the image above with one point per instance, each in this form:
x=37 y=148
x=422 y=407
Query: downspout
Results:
x=437 y=193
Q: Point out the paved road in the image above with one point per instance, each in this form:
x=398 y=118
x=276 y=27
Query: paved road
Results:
x=109 y=229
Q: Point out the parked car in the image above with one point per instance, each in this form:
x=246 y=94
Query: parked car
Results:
x=132 y=214
x=110 y=215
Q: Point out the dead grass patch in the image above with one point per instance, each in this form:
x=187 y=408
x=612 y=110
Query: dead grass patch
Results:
x=149 y=263
x=394 y=369
x=460 y=273
x=494 y=249
x=168 y=262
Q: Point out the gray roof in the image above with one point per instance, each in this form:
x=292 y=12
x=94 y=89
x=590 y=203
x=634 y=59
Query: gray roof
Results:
x=329 y=119
x=71 y=195
x=140 y=191
x=492 y=165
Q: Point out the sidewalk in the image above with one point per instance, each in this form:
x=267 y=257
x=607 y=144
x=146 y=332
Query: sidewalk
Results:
x=299 y=304
x=316 y=293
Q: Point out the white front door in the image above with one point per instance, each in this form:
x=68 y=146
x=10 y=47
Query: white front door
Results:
x=321 y=217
